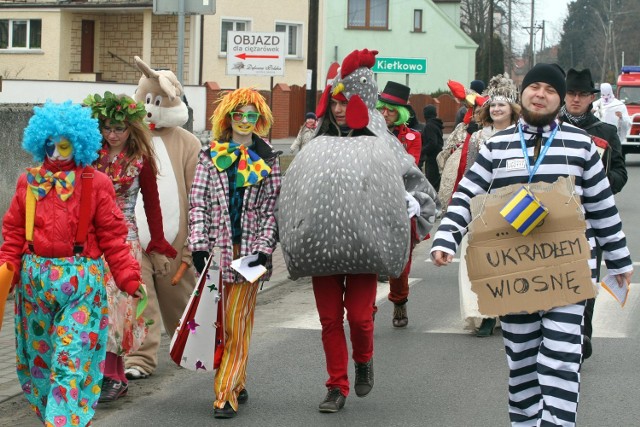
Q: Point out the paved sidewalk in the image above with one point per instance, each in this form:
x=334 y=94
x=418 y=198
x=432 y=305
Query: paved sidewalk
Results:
x=9 y=385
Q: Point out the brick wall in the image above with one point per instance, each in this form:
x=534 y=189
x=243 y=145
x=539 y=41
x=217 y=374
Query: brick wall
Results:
x=280 y=109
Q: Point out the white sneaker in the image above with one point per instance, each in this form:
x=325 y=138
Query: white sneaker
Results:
x=135 y=373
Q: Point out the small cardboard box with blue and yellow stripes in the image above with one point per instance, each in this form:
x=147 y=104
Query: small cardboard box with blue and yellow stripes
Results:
x=524 y=211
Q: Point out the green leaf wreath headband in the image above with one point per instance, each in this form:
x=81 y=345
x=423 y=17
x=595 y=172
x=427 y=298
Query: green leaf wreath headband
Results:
x=119 y=108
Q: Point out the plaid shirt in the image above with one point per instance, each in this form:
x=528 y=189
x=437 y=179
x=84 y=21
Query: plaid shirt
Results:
x=209 y=219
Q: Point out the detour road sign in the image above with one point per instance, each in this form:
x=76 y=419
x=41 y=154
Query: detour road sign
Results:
x=400 y=65
x=255 y=54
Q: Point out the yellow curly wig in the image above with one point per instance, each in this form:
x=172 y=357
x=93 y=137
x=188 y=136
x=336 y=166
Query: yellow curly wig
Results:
x=231 y=101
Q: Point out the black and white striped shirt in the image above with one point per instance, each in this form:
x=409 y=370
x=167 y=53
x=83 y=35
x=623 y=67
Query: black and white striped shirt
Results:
x=570 y=154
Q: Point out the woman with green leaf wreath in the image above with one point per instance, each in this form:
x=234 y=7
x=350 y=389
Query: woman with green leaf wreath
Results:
x=127 y=157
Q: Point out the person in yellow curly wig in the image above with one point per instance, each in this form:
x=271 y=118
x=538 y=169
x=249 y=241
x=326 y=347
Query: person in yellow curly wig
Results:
x=232 y=201
x=249 y=101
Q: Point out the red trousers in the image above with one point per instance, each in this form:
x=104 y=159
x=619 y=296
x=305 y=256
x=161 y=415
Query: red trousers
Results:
x=356 y=293
x=399 y=286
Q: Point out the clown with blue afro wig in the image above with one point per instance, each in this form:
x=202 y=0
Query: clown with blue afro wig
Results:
x=54 y=123
x=61 y=227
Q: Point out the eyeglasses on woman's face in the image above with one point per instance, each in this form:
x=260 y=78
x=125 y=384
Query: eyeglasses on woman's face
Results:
x=118 y=130
x=249 y=116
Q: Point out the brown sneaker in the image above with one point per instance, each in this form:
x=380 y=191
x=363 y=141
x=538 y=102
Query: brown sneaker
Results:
x=333 y=402
x=400 y=317
x=364 y=378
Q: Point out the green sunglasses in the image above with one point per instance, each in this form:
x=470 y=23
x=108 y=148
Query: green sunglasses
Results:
x=250 y=116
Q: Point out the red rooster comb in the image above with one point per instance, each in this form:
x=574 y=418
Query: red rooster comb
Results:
x=357 y=59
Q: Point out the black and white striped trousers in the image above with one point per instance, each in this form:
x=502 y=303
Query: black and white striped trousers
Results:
x=544 y=353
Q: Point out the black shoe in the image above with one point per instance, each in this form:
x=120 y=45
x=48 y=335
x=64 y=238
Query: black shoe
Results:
x=226 y=412
x=587 y=349
x=333 y=402
x=400 y=316
x=112 y=390
x=486 y=327
x=243 y=396
x=364 y=378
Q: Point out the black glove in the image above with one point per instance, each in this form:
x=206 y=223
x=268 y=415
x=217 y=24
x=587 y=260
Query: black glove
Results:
x=261 y=260
x=472 y=127
x=199 y=260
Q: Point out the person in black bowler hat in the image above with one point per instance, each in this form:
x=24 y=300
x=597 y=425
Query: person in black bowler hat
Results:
x=577 y=111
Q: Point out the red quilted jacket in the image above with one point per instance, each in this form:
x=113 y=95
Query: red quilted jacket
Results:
x=56 y=223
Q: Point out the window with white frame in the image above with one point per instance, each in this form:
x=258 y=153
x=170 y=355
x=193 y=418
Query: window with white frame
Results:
x=294 y=37
x=20 y=33
x=227 y=25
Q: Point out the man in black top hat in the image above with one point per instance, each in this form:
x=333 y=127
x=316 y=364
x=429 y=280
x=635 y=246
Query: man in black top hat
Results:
x=393 y=103
x=577 y=111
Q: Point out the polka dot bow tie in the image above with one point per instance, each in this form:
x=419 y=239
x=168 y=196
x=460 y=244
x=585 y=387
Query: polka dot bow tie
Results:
x=251 y=168
x=40 y=181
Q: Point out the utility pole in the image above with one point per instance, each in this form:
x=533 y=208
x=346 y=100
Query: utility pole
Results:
x=490 y=65
x=533 y=55
x=312 y=53
x=509 y=50
x=180 y=69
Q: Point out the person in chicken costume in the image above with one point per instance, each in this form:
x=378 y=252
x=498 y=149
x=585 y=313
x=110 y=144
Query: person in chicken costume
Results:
x=169 y=286
x=344 y=216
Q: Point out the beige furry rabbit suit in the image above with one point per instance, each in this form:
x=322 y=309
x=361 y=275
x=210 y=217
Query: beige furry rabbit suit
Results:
x=177 y=155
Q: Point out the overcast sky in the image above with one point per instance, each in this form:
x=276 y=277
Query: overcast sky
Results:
x=553 y=12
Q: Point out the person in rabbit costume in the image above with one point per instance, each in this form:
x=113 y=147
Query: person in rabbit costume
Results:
x=169 y=282
x=346 y=218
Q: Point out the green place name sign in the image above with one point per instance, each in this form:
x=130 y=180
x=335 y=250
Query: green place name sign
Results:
x=400 y=65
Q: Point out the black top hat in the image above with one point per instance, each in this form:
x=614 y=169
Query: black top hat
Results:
x=580 y=81
x=395 y=94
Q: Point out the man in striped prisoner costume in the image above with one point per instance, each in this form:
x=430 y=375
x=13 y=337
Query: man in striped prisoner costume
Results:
x=544 y=348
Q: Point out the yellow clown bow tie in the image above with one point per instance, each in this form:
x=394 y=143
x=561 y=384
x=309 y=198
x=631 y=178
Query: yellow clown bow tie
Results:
x=251 y=168
x=40 y=181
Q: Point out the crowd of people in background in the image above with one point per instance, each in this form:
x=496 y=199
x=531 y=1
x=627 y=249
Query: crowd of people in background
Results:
x=92 y=287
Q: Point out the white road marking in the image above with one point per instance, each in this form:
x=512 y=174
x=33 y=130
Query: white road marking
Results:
x=301 y=310
x=609 y=321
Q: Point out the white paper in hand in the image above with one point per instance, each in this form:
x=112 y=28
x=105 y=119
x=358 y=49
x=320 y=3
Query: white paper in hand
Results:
x=241 y=265
x=610 y=284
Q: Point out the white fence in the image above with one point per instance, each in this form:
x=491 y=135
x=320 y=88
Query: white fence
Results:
x=38 y=91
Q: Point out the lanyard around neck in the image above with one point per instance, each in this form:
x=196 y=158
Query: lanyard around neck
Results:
x=543 y=152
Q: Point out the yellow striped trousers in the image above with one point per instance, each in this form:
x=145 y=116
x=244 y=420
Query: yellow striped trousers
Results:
x=240 y=304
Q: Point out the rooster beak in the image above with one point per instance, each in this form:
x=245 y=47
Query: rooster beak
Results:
x=339 y=88
x=471 y=98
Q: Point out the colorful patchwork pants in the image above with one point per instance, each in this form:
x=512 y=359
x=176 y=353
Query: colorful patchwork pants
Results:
x=544 y=353
x=61 y=332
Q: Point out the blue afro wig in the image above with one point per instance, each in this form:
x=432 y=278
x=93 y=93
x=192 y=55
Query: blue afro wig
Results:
x=66 y=120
